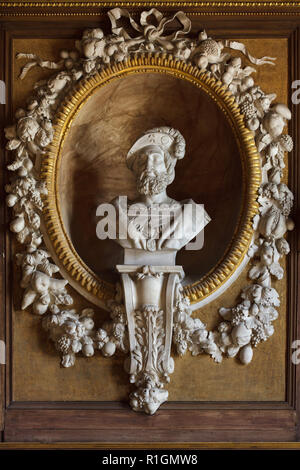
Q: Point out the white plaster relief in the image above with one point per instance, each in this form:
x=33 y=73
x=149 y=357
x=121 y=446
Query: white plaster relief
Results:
x=242 y=327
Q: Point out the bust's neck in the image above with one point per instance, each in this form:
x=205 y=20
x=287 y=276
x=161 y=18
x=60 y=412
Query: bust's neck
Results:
x=161 y=198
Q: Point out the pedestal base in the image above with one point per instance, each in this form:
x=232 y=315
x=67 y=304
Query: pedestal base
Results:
x=149 y=294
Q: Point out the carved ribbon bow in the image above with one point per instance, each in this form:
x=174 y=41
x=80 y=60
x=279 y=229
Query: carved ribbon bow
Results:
x=150 y=31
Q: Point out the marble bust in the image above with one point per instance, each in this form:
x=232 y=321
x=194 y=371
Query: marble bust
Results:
x=151 y=229
x=154 y=222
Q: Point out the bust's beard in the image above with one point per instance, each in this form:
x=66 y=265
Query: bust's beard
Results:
x=150 y=184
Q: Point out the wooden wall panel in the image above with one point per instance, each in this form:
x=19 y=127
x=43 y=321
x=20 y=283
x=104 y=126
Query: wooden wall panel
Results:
x=34 y=357
x=266 y=411
x=171 y=425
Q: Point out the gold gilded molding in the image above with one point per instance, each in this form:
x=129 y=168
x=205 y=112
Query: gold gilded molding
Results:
x=97 y=3
x=166 y=64
x=219 y=8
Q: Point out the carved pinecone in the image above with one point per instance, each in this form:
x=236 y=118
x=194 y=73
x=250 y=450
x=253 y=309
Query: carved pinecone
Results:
x=63 y=344
x=248 y=109
x=209 y=47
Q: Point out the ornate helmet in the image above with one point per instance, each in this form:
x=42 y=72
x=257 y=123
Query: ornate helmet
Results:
x=167 y=138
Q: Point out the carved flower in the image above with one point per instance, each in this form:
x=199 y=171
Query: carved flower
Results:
x=183 y=303
x=42 y=138
x=64 y=299
x=101 y=338
x=54 y=309
x=189 y=323
x=224 y=327
x=270 y=297
x=88 y=323
x=180 y=339
x=89 y=66
x=27 y=128
x=282 y=246
x=199 y=336
x=118 y=313
x=57 y=83
x=13 y=144
x=75 y=329
x=198 y=324
x=276 y=270
x=69 y=58
x=76 y=346
x=182 y=348
x=119 y=330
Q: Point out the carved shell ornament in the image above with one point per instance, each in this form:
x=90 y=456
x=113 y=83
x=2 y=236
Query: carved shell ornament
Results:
x=243 y=326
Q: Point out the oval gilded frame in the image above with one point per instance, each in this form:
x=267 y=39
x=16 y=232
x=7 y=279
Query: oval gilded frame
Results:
x=78 y=273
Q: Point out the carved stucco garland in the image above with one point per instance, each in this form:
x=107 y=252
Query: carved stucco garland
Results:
x=243 y=326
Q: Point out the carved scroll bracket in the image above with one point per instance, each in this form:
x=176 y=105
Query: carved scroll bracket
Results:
x=149 y=295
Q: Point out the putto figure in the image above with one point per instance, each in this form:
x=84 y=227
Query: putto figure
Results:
x=154 y=221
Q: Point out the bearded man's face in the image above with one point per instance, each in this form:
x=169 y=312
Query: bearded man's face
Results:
x=152 y=182
x=152 y=175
